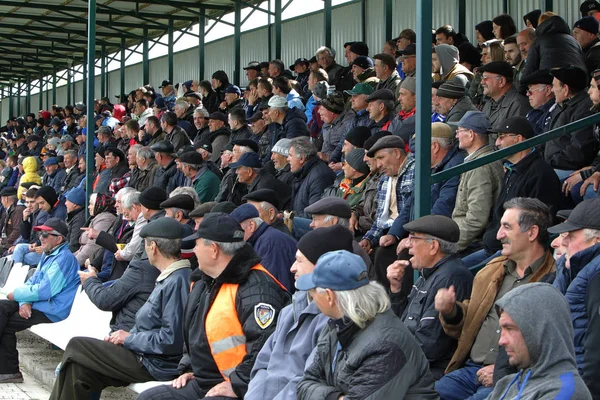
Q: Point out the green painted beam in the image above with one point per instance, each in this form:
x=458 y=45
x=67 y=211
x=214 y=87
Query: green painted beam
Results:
x=53 y=87
x=237 y=36
x=462 y=15
x=201 y=43
x=549 y=5
x=170 y=51
x=89 y=101
x=122 y=69
x=527 y=144
x=103 y=73
x=145 y=59
x=327 y=20
x=278 y=29
x=41 y=93
x=28 y=95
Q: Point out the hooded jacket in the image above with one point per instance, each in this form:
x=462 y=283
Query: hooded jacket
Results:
x=219 y=140
x=451 y=70
x=293 y=125
x=553 y=47
x=30 y=174
x=542 y=315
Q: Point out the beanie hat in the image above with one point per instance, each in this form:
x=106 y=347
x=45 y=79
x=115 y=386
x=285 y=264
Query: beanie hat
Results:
x=282 y=147
x=359 y=48
x=323 y=240
x=334 y=103
x=451 y=90
x=320 y=89
x=355 y=158
x=49 y=194
x=588 y=24
x=76 y=196
x=152 y=197
x=358 y=135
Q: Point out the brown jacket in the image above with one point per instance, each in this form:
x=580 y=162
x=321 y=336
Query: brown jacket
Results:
x=10 y=222
x=485 y=288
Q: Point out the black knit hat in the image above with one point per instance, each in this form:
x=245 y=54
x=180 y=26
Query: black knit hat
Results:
x=152 y=197
x=358 y=135
x=49 y=194
x=323 y=240
x=355 y=158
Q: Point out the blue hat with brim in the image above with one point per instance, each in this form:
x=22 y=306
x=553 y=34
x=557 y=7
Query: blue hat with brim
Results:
x=475 y=121
x=336 y=270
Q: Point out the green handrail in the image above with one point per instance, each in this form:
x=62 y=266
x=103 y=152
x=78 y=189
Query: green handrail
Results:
x=504 y=153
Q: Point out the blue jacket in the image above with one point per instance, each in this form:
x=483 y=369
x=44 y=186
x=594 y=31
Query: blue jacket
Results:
x=540 y=116
x=281 y=362
x=59 y=211
x=294 y=100
x=309 y=184
x=157 y=336
x=443 y=194
x=52 y=288
x=56 y=180
x=573 y=282
x=310 y=105
x=278 y=252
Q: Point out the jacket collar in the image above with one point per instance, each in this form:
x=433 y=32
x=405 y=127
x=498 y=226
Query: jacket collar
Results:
x=427 y=272
x=261 y=229
x=172 y=268
x=239 y=266
x=346 y=330
x=582 y=258
x=453 y=152
x=303 y=171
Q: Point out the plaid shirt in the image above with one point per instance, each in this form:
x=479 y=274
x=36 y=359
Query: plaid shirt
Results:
x=404 y=188
x=118 y=184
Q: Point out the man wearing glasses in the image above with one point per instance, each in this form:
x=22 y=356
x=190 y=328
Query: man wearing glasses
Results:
x=46 y=297
x=541 y=99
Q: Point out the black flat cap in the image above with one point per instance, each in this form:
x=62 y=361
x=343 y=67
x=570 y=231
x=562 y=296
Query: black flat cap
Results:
x=435 y=225
x=33 y=138
x=501 y=68
x=374 y=138
x=8 y=191
x=202 y=209
x=164 y=146
x=335 y=206
x=246 y=143
x=267 y=195
x=517 y=125
x=540 y=76
x=204 y=145
x=586 y=215
x=381 y=94
x=166 y=228
x=574 y=77
x=185 y=149
x=183 y=201
x=219 y=116
x=386 y=142
x=224 y=207
x=191 y=157
x=219 y=227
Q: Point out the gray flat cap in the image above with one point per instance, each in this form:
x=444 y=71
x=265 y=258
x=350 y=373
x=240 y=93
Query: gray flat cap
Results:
x=387 y=142
x=435 y=225
x=335 y=206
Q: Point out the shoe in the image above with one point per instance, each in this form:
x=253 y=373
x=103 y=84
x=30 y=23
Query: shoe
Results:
x=11 y=378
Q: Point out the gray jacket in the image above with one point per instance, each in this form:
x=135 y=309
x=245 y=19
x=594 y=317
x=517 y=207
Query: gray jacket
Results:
x=281 y=362
x=542 y=315
x=512 y=104
x=100 y=222
x=383 y=361
x=461 y=107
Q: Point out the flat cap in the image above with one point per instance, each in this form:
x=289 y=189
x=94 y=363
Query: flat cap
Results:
x=335 y=206
x=586 y=215
x=373 y=139
x=204 y=144
x=233 y=89
x=250 y=160
x=33 y=138
x=438 y=226
x=540 y=76
x=441 y=130
x=8 y=191
x=219 y=116
x=266 y=195
x=244 y=212
x=381 y=94
x=386 y=142
x=183 y=201
x=165 y=228
x=575 y=77
x=202 y=209
x=224 y=207
x=191 y=157
x=51 y=161
x=246 y=143
x=501 y=68
x=164 y=146
x=219 y=227
x=409 y=50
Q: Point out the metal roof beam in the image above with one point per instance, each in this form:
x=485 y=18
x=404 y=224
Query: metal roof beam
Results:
x=182 y=4
x=67 y=31
x=56 y=39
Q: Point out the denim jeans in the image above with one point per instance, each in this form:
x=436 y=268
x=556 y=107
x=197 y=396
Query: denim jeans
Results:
x=300 y=227
x=21 y=254
x=563 y=174
x=462 y=384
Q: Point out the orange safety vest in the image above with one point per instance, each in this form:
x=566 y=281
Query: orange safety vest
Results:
x=224 y=330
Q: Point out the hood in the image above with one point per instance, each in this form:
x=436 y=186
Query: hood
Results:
x=448 y=57
x=30 y=165
x=294 y=113
x=553 y=25
x=542 y=314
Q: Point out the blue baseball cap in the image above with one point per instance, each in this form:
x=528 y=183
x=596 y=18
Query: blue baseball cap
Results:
x=251 y=160
x=51 y=161
x=336 y=270
x=233 y=89
x=475 y=121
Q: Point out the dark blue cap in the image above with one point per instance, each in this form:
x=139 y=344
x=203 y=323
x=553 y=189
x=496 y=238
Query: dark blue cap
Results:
x=233 y=89
x=218 y=227
x=51 y=161
x=244 y=212
x=475 y=121
x=336 y=270
x=251 y=160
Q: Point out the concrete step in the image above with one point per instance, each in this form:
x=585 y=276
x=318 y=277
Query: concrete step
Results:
x=39 y=360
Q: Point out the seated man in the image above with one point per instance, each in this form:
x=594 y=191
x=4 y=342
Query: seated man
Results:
x=267 y=203
x=373 y=354
x=204 y=181
x=46 y=297
x=474 y=322
x=28 y=250
x=274 y=247
x=234 y=305
x=11 y=218
x=578 y=278
x=432 y=243
x=538 y=336
x=356 y=172
x=284 y=355
x=152 y=348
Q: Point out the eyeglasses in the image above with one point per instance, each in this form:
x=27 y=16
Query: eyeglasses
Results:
x=412 y=238
x=503 y=135
x=46 y=234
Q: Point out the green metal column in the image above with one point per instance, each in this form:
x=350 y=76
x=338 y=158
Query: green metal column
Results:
x=170 y=54
x=69 y=84
x=327 y=16
x=84 y=82
x=53 y=87
x=269 y=33
x=10 y=102
x=122 y=69
x=47 y=93
x=103 y=91
x=278 y=29
x=18 y=97
x=363 y=19
x=237 y=35
x=40 y=97
x=549 y=5
x=505 y=6
x=462 y=15
x=28 y=95
x=89 y=169
x=145 y=61
x=201 y=45
x=389 y=20
x=423 y=120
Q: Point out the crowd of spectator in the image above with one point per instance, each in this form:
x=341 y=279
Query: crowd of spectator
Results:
x=259 y=242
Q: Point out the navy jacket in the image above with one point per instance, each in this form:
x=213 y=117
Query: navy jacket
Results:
x=309 y=184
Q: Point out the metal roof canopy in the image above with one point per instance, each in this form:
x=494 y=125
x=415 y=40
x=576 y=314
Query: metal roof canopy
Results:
x=38 y=38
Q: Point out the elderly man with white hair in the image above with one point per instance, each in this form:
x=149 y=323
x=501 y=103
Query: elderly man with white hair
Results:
x=362 y=336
